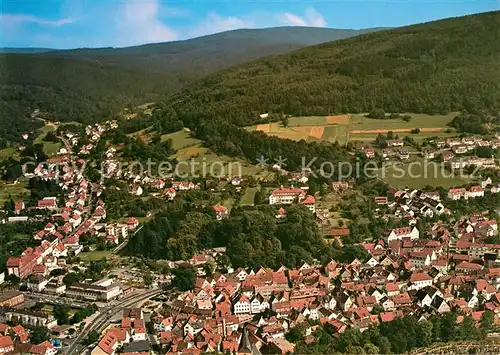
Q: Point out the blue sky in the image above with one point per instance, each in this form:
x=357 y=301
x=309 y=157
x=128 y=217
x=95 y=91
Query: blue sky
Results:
x=98 y=23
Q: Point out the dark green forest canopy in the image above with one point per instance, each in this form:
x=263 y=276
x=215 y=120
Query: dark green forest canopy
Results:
x=68 y=90
x=437 y=67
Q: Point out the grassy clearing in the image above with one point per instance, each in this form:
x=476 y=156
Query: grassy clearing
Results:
x=360 y=122
x=207 y=162
x=418 y=175
x=70 y=123
x=306 y=128
x=248 y=197
x=8 y=153
x=336 y=133
x=17 y=191
x=307 y=121
x=49 y=148
x=181 y=139
x=342 y=129
x=95 y=255
x=42 y=132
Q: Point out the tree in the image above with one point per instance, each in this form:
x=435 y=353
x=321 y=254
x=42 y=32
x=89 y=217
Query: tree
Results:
x=39 y=334
x=72 y=278
x=424 y=333
x=484 y=152
x=468 y=328
x=296 y=333
x=209 y=268
x=61 y=314
x=284 y=120
x=377 y=113
x=259 y=197
x=369 y=348
x=148 y=279
x=486 y=322
x=91 y=338
x=381 y=141
x=184 y=278
x=449 y=326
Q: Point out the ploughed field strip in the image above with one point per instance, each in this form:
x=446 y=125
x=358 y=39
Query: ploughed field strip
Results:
x=339 y=128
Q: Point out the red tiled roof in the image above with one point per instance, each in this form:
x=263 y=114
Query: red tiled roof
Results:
x=420 y=276
x=132 y=220
x=6 y=342
x=220 y=209
x=309 y=200
x=290 y=191
x=107 y=343
x=468 y=265
x=337 y=232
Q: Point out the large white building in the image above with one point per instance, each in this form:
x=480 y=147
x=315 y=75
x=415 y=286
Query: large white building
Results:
x=400 y=233
x=286 y=196
x=104 y=290
x=242 y=306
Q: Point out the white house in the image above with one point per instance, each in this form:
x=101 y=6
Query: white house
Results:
x=286 y=196
x=419 y=280
x=242 y=306
x=400 y=233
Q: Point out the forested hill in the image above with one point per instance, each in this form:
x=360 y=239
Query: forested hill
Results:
x=87 y=85
x=440 y=66
x=69 y=90
x=188 y=59
x=29 y=50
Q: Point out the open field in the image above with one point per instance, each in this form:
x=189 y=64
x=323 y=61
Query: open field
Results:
x=49 y=148
x=189 y=149
x=201 y=160
x=308 y=129
x=248 y=198
x=343 y=128
x=17 y=191
x=419 y=175
x=8 y=152
x=181 y=139
x=95 y=255
x=424 y=122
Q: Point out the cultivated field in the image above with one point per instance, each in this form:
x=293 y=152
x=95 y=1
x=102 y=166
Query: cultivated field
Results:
x=344 y=128
x=310 y=128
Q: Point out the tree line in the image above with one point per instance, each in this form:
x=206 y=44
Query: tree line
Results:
x=398 y=336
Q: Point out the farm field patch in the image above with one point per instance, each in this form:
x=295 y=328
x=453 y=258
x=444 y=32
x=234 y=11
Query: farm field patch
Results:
x=344 y=128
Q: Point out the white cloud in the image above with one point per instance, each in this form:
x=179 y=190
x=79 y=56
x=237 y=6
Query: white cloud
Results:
x=215 y=23
x=310 y=18
x=11 y=20
x=138 y=23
